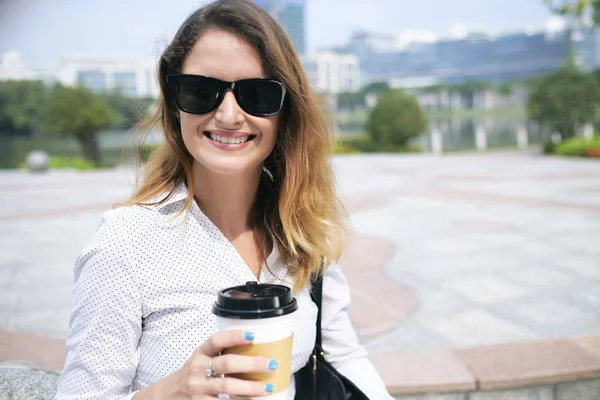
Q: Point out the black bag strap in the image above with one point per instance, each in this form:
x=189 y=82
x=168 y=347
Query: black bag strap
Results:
x=316 y=294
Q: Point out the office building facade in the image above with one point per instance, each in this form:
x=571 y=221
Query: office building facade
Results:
x=290 y=14
x=130 y=78
x=476 y=57
x=333 y=73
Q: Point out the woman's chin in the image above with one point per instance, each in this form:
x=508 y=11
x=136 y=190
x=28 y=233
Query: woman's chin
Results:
x=230 y=166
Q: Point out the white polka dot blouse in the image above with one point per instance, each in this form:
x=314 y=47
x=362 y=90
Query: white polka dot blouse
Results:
x=144 y=287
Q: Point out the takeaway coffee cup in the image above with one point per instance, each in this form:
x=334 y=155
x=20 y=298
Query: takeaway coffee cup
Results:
x=267 y=311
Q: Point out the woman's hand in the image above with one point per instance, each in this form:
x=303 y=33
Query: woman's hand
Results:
x=191 y=382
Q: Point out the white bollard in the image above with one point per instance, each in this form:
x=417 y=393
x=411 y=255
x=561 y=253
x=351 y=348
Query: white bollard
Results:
x=37 y=161
x=556 y=138
x=480 y=138
x=436 y=142
x=522 y=138
x=588 y=131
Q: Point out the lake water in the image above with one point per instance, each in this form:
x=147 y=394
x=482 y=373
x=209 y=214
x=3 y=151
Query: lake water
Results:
x=457 y=134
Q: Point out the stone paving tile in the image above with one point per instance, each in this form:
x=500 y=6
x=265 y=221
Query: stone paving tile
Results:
x=555 y=314
x=423 y=371
x=411 y=336
x=369 y=318
x=47 y=352
x=589 y=390
x=5 y=318
x=43 y=299
x=454 y=396
x=590 y=343
x=549 y=318
x=529 y=363
x=367 y=253
x=478 y=327
x=536 y=393
x=6 y=300
x=443 y=246
x=50 y=322
x=588 y=300
x=579 y=265
x=434 y=303
x=485 y=289
x=538 y=276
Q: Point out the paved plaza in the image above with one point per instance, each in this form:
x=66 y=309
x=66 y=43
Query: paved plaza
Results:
x=471 y=250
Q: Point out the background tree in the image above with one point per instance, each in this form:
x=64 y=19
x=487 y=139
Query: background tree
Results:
x=21 y=105
x=350 y=100
x=564 y=100
x=396 y=119
x=129 y=109
x=576 y=8
x=78 y=112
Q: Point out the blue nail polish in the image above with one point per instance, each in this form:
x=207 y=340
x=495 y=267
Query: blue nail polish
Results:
x=273 y=365
x=269 y=388
x=249 y=336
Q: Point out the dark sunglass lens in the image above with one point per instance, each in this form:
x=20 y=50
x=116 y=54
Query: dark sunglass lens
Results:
x=198 y=95
x=260 y=97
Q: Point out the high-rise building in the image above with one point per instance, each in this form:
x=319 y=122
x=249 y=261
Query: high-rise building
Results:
x=475 y=57
x=333 y=73
x=290 y=14
x=134 y=78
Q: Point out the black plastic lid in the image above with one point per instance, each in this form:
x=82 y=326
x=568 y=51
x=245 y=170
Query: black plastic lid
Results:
x=254 y=301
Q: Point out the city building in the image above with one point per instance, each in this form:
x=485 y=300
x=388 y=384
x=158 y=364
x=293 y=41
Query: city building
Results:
x=11 y=67
x=474 y=57
x=129 y=77
x=481 y=99
x=333 y=73
x=290 y=14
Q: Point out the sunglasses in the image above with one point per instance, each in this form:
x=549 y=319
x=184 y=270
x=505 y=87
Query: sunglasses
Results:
x=197 y=94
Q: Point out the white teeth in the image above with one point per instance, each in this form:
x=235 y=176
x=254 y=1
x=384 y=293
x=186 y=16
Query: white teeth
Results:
x=228 y=140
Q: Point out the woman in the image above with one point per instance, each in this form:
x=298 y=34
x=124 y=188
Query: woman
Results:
x=241 y=190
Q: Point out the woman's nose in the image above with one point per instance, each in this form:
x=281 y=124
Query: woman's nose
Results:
x=229 y=112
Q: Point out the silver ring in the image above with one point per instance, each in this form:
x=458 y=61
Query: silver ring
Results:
x=210 y=371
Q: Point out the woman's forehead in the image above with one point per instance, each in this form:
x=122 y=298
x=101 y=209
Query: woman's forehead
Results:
x=223 y=55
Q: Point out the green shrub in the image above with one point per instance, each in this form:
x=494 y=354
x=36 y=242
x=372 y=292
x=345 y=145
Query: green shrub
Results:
x=579 y=147
x=78 y=163
x=366 y=145
x=564 y=100
x=343 y=148
x=549 y=147
x=63 y=162
x=396 y=119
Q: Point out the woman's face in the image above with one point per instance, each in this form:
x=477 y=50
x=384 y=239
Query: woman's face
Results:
x=226 y=56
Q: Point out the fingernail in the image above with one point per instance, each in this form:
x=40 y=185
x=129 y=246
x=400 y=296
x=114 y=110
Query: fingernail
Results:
x=273 y=365
x=269 y=388
x=249 y=336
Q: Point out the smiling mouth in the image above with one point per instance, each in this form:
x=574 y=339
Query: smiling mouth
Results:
x=228 y=140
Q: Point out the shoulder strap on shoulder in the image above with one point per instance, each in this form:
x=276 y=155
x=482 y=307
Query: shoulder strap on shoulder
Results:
x=316 y=294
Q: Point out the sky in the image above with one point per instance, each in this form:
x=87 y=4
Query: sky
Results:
x=44 y=31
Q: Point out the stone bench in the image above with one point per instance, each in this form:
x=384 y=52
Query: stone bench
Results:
x=26 y=381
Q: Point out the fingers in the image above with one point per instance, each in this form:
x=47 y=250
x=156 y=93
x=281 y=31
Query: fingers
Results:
x=232 y=364
x=239 y=387
x=222 y=340
x=196 y=382
x=235 y=364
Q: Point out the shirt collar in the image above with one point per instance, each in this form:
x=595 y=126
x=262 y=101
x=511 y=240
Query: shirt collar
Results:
x=180 y=193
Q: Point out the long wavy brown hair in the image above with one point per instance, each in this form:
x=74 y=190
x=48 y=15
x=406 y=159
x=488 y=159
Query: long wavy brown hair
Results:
x=296 y=208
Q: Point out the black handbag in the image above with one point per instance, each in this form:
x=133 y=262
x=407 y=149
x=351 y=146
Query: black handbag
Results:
x=318 y=379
